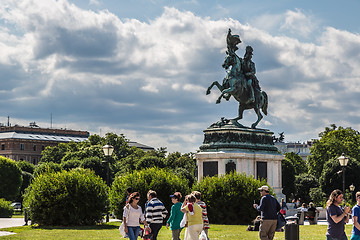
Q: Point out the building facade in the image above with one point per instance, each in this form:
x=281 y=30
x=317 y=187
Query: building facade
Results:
x=302 y=149
x=27 y=143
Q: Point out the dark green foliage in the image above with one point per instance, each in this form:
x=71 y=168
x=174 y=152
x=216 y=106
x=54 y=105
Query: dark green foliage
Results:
x=334 y=141
x=331 y=177
x=163 y=181
x=54 y=154
x=70 y=164
x=47 y=167
x=6 y=210
x=76 y=197
x=230 y=198
x=93 y=163
x=149 y=162
x=26 y=166
x=303 y=183
x=288 y=178
x=317 y=196
x=298 y=163
x=10 y=179
x=27 y=178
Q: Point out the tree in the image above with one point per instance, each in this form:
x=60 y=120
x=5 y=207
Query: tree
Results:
x=10 y=179
x=334 y=141
x=298 y=163
x=26 y=166
x=332 y=178
x=47 y=167
x=288 y=178
x=303 y=183
x=54 y=154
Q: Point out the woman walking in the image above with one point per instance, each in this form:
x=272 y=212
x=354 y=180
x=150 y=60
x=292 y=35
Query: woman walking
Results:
x=194 y=218
x=132 y=216
x=175 y=216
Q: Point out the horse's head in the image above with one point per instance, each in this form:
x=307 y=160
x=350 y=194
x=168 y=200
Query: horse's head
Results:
x=233 y=60
x=229 y=60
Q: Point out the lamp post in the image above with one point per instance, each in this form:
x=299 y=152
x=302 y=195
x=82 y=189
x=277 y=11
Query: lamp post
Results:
x=343 y=162
x=108 y=150
x=352 y=188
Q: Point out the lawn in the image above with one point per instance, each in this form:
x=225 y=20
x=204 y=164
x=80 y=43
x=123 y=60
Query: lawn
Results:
x=110 y=231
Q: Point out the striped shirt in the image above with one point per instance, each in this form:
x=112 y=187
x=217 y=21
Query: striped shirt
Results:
x=204 y=214
x=155 y=211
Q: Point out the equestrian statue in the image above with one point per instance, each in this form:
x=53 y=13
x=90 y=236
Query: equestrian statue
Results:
x=240 y=81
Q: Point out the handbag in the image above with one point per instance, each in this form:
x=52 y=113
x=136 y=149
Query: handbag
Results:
x=183 y=222
x=280 y=221
x=122 y=226
x=203 y=236
x=122 y=230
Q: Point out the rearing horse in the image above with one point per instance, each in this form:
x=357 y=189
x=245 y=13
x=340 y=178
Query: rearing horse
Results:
x=235 y=84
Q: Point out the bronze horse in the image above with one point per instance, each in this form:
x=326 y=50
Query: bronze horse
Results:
x=235 y=84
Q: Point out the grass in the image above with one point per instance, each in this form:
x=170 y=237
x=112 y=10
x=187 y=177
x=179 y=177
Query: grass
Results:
x=110 y=231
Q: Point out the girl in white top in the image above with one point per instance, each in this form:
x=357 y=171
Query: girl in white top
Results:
x=132 y=216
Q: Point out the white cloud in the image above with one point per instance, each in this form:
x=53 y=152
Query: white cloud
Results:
x=299 y=23
x=94 y=69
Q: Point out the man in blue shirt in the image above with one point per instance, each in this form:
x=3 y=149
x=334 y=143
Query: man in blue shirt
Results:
x=355 y=234
x=269 y=207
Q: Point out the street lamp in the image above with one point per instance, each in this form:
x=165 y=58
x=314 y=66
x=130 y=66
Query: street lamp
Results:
x=108 y=150
x=352 y=188
x=343 y=162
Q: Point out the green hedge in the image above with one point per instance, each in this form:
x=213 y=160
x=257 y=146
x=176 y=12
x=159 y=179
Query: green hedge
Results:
x=76 y=197
x=163 y=181
x=6 y=210
x=10 y=179
x=230 y=198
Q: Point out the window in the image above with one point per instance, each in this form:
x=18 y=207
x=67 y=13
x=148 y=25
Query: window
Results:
x=21 y=146
x=230 y=167
x=34 y=147
x=2 y=146
x=210 y=168
x=261 y=170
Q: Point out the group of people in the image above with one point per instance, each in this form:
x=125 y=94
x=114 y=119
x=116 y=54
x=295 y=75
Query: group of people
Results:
x=191 y=215
x=336 y=216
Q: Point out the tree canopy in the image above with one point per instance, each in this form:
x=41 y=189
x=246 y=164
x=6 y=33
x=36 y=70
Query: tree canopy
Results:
x=333 y=142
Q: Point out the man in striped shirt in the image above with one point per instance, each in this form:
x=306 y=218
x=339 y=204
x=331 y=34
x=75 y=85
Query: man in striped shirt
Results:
x=206 y=225
x=155 y=213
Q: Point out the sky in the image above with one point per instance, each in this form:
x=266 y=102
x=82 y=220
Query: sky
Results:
x=141 y=67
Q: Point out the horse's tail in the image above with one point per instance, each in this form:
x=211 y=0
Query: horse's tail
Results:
x=265 y=103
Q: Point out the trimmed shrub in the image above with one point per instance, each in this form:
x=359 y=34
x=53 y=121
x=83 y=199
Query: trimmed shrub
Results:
x=76 y=197
x=163 y=181
x=6 y=210
x=230 y=198
x=10 y=179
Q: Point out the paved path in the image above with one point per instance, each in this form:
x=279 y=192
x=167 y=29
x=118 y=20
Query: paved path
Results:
x=10 y=222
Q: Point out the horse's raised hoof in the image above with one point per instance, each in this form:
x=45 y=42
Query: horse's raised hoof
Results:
x=208 y=92
x=218 y=101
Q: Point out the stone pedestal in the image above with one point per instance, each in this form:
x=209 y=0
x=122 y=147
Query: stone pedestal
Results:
x=228 y=147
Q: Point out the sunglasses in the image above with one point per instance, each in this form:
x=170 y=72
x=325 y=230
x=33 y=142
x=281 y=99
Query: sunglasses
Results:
x=137 y=198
